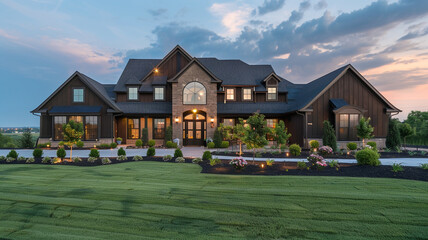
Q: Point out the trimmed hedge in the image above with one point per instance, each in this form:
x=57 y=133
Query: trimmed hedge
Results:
x=295 y=149
x=207 y=155
x=367 y=156
x=351 y=146
x=151 y=151
x=178 y=153
x=37 y=153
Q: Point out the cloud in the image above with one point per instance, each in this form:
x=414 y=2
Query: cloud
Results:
x=233 y=17
x=157 y=12
x=320 y=5
x=269 y=6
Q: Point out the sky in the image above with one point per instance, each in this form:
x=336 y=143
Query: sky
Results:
x=43 y=42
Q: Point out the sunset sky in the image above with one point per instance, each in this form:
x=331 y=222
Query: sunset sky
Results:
x=43 y=42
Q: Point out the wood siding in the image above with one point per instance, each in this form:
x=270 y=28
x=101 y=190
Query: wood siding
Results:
x=356 y=93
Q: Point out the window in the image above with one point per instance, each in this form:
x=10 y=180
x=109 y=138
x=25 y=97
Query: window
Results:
x=78 y=119
x=91 y=127
x=159 y=93
x=58 y=122
x=230 y=94
x=247 y=94
x=159 y=128
x=133 y=128
x=271 y=123
x=133 y=93
x=78 y=95
x=271 y=93
x=348 y=126
x=194 y=93
x=229 y=122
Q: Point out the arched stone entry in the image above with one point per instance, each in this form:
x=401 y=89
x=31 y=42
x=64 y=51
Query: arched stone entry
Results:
x=194 y=127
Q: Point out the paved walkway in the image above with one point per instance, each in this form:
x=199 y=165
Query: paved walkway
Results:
x=198 y=151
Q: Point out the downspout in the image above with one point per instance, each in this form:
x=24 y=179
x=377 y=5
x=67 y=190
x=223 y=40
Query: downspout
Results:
x=305 y=122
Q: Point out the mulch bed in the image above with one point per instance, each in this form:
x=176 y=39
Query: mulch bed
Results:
x=345 y=170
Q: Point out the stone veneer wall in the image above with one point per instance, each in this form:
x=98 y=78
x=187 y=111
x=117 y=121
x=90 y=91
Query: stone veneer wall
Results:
x=193 y=73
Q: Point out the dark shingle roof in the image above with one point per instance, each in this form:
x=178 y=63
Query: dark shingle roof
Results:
x=110 y=90
x=338 y=103
x=146 y=107
x=100 y=88
x=134 y=71
x=75 y=109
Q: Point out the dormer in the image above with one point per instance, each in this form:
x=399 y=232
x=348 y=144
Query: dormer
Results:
x=271 y=84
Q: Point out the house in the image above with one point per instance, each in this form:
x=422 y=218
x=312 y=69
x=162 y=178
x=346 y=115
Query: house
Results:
x=194 y=95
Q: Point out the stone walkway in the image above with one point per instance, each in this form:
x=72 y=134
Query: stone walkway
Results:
x=198 y=151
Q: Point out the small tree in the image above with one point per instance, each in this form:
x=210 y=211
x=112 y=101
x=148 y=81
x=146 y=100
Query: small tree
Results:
x=406 y=131
x=26 y=140
x=393 y=137
x=364 y=129
x=145 y=136
x=329 y=136
x=73 y=132
x=168 y=134
x=280 y=134
x=218 y=138
x=255 y=132
x=239 y=133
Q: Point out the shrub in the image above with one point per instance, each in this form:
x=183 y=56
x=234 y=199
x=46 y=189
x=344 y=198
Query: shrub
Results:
x=21 y=159
x=61 y=144
x=424 y=166
x=351 y=146
x=170 y=144
x=314 y=158
x=30 y=160
x=121 y=152
x=55 y=160
x=333 y=164
x=295 y=149
x=37 y=153
x=167 y=158
x=314 y=144
x=301 y=165
x=207 y=155
x=137 y=158
x=77 y=160
x=180 y=160
x=218 y=138
x=258 y=155
x=122 y=158
x=113 y=145
x=10 y=159
x=269 y=162
x=92 y=159
x=237 y=163
x=396 y=167
x=80 y=144
x=152 y=143
x=329 y=135
x=145 y=136
x=198 y=160
x=178 y=153
x=211 y=145
x=105 y=161
x=2 y=158
x=103 y=146
x=46 y=160
x=26 y=140
x=373 y=145
x=94 y=153
x=393 y=139
x=119 y=139
x=138 y=143
x=283 y=148
x=60 y=153
x=367 y=157
x=43 y=145
x=224 y=144
x=12 y=154
x=168 y=134
x=214 y=161
x=151 y=151
x=325 y=150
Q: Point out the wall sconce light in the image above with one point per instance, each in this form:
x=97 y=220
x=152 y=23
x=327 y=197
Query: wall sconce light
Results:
x=176 y=119
x=212 y=122
x=156 y=70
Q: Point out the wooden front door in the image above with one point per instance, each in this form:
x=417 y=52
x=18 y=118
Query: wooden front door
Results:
x=194 y=129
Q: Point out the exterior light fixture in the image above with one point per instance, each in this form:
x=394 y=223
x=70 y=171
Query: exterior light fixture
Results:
x=156 y=70
x=95 y=146
x=194 y=110
x=176 y=119
x=48 y=146
x=263 y=165
x=315 y=149
x=349 y=153
x=287 y=154
x=212 y=122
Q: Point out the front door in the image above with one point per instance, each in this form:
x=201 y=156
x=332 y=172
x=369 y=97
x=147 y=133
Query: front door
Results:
x=194 y=129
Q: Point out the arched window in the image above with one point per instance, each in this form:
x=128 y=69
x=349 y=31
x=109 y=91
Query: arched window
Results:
x=194 y=93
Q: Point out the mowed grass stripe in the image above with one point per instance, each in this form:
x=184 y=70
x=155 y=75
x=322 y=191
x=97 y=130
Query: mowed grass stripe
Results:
x=167 y=200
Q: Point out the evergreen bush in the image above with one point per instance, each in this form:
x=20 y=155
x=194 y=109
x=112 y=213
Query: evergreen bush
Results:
x=151 y=151
x=37 y=153
x=178 y=153
x=121 y=152
x=329 y=136
x=295 y=149
x=61 y=153
x=207 y=155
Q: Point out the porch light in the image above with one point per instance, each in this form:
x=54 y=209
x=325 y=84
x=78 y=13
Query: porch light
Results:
x=156 y=70
x=212 y=122
x=176 y=119
x=212 y=119
x=194 y=110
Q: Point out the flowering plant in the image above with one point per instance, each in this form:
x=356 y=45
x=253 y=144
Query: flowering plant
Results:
x=314 y=158
x=238 y=163
x=325 y=150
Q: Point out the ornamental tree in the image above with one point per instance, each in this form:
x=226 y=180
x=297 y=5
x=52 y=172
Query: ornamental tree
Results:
x=364 y=129
x=73 y=132
x=406 y=131
x=255 y=132
x=280 y=134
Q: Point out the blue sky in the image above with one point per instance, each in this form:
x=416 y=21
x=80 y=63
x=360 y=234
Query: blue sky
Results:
x=43 y=42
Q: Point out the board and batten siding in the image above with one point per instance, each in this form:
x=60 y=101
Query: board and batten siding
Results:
x=356 y=93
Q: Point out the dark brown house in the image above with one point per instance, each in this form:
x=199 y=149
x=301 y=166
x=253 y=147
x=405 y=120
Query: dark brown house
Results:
x=194 y=95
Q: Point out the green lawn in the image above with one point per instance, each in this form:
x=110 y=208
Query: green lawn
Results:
x=174 y=201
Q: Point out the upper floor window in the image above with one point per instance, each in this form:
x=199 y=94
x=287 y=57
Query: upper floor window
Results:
x=194 y=93
x=272 y=93
x=230 y=94
x=133 y=93
x=159 y=93
x=247 y=94
x=78 y=95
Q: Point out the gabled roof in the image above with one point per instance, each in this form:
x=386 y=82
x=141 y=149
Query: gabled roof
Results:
x=95 y=86
x=338 y=103
x=214 y=78
x=135 y=70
